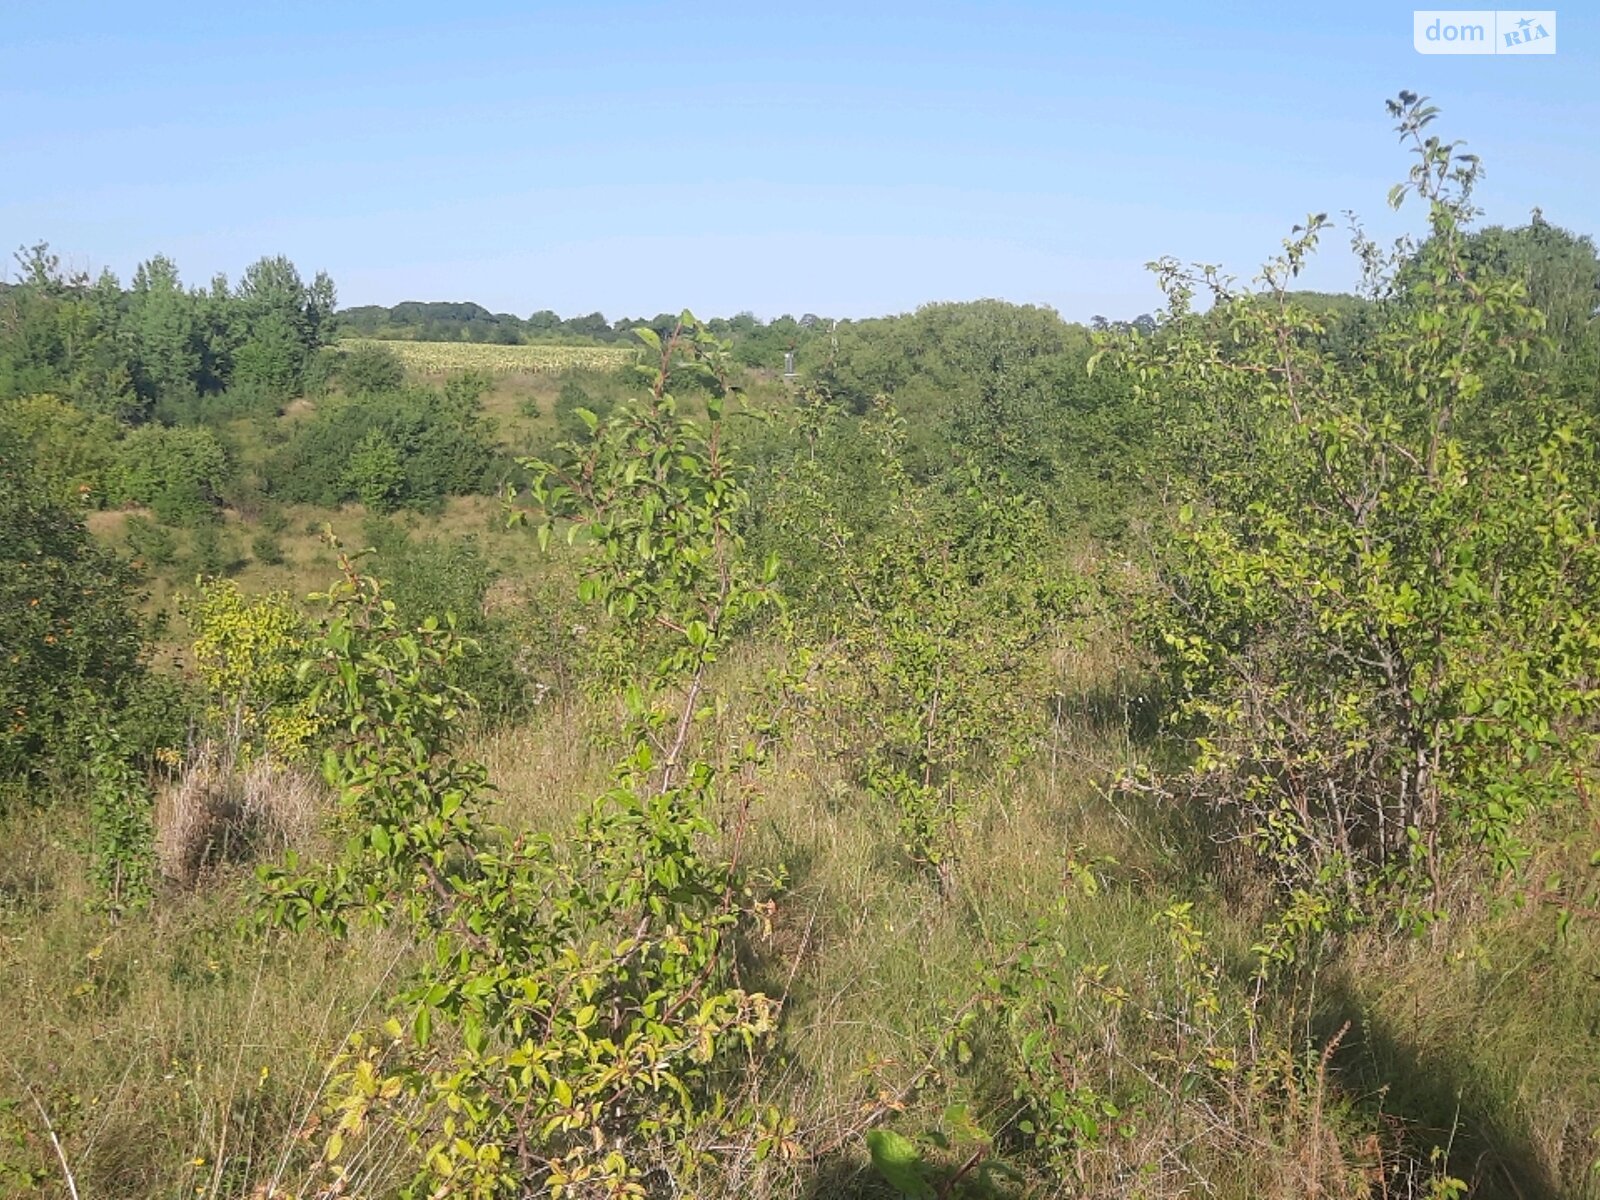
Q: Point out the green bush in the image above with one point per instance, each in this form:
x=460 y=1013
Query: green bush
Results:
x=370 y=368
x=121 y=811
x=246 y=651
x=376 y=475
x=160 y=714
x=71 y=450
x=937 y=616
x=68 y=623
x=212 y=553
x=571 y=400
x=580 y=1026
x=216 y=409
x=178 y=472
x=266 y=548
x=408 y=450
x=435 y=576
x=1379 y=628
x=153 y=544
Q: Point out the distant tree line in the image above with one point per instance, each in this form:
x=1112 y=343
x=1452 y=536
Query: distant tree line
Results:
x=756 y=342
x=152 y=349
x=161 y=396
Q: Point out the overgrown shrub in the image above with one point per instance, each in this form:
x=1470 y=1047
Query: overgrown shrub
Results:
x=68 y=623
x=1138 y=1063
x=570 y=401
x=212 y=553
x=215 y=410
x=577 y=1022
x=122 y=845
x=406 y=449
x=71 y=450
x=937 y=613
x=151 y=544
x=370 y=368
x=376 y=476
x=1379 y=590
x=267 y=549
x=248 y=650
x=176 y=472
x=433 y=576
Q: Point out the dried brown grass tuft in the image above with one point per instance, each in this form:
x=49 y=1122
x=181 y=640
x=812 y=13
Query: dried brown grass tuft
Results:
x=221 y=809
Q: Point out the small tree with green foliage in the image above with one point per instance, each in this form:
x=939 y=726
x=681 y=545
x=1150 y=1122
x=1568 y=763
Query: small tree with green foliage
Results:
x=375 y=474
x=1379 y=587
x=247 y=650
x=371 y=368
x=572 y=1027
x=937 y=616
x=179 y=473
x=404 y=449
x=72 y=451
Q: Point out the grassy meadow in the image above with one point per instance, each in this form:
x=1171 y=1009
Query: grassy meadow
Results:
x=1011 y=761
x=175 y=1057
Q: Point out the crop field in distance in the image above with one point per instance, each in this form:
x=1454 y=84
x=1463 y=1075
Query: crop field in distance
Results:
x=445 y=357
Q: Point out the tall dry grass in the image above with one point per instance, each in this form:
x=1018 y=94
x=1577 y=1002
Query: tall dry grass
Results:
x=173 y=1055
x=220 y=808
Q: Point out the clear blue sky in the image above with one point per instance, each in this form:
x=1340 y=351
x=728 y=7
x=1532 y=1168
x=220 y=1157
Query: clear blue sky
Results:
x=840 y=159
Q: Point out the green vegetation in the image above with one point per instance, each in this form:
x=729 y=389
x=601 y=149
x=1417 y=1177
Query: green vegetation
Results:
x=70 y=638
x=448 y=327
x=408 y=448
x=1012 y=759
x=1382 y=637
x=157 y=346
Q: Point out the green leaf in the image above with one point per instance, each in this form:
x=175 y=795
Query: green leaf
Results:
x=898 y=1160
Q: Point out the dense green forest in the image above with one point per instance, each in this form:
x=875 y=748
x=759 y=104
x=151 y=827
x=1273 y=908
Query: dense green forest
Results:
x=1011 y=758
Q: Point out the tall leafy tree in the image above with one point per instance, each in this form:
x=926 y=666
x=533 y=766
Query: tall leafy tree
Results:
x=285 y=321
x=60 y=333
x=164 y=322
